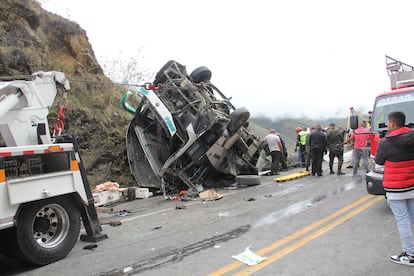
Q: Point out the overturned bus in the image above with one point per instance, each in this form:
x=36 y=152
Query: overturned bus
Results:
x=186 y=134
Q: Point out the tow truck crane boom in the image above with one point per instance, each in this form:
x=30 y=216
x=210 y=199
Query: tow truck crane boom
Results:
x=24 y=106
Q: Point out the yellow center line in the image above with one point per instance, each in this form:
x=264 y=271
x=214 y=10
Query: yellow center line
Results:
x=307 y=239
x=293 y=236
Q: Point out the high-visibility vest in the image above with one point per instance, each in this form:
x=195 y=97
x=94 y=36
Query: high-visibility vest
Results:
x=302 y=137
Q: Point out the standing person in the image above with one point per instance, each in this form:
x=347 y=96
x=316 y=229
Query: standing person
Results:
x=301 y=146
x=308 y=150
x=396 y=152
x=360 y=137
x=317 y=142
x=283 y=157
x=335 y=144
x=275 y=148
x=347 y=135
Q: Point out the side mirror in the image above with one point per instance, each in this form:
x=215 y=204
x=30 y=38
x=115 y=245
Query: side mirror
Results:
x=353 y=119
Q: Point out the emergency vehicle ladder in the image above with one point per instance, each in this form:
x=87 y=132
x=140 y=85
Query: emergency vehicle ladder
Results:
x=401 y=74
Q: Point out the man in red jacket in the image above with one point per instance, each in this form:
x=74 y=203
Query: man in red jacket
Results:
x=396 y=152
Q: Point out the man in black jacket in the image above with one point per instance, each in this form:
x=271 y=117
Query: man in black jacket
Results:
x=317 y=142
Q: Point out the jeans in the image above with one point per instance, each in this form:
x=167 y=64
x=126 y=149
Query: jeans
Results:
x=275 y=161
x=302 y=155
x=403 y=211
x=357 y=155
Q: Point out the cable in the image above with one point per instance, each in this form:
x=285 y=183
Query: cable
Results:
x=108 y=83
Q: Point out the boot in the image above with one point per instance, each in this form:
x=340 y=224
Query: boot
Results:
x=339 y=168
x=331 y=171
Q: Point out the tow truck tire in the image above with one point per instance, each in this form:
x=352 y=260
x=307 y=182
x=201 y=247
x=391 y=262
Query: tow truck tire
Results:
x=46 y=230
x=247 y=180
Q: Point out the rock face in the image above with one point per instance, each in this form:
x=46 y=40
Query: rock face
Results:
x=32 y=39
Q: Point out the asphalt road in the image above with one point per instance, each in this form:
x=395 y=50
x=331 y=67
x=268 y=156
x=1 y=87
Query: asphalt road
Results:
x=309 y=226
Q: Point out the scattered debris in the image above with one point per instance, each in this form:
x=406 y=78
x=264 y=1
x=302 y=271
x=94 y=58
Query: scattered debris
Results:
x=136 y=192
x=115 y=223
x=107 y=186
x=210 y=194
x=123 y=213
x=174 y=198
x=264 y=172
x=248 y=257
x=127 y=269
x=109 y=192
x=104 y=209
x=179 y=206
x=224 y=214
x=104 y=197
x=112 y=223
x=186 y=198
x=91 y=246
x=188 y=195
x=232 y=187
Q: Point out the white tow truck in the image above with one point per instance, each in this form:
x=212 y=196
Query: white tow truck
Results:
x=44 y=191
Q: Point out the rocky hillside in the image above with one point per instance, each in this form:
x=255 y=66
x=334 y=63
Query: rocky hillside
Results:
x=32 y=39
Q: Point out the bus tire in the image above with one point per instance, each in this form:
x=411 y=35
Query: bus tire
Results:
x=248 y=180
x=238 y=118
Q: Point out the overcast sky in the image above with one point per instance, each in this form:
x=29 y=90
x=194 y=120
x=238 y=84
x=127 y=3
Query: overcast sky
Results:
x=277 y=58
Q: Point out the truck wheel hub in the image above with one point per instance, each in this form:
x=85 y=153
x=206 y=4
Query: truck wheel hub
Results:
x=50 y=226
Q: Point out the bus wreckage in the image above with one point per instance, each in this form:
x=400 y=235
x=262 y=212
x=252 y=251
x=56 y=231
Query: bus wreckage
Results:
x=186 y=134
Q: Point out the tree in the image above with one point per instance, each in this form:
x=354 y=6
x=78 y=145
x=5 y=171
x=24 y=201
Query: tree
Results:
x=127 y=71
